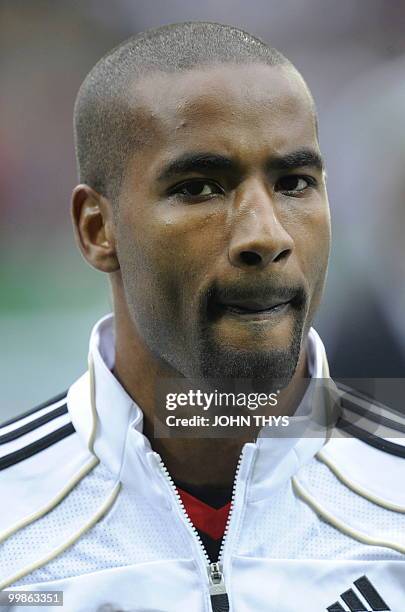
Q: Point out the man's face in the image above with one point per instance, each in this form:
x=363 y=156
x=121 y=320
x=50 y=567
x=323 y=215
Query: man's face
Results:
x=223 y=229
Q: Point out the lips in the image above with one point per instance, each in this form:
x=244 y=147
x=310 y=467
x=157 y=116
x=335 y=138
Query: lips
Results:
x=250 y=306
x=259 y=301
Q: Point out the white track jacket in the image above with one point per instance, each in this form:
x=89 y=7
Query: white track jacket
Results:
x=317 y=523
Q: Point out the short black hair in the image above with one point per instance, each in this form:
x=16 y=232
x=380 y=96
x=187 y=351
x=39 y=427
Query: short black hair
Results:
x=105 y=131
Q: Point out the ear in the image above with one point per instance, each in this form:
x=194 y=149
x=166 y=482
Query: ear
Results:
x=92 y=217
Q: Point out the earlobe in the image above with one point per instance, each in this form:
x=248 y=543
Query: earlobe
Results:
x=92 y=218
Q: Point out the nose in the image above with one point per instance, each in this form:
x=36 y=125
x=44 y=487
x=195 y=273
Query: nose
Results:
x=258 y=238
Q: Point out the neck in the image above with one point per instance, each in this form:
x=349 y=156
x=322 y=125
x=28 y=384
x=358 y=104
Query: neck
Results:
x=194 y=461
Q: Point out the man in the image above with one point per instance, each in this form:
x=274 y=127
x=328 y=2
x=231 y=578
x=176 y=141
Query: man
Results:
x=202 y=196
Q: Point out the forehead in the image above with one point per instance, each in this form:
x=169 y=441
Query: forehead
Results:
x=231 y=109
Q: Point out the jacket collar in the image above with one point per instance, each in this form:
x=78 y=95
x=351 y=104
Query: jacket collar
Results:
x=110 y=422
x=281 y=452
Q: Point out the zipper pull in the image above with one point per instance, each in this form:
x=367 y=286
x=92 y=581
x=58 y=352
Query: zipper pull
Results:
x=218 y=594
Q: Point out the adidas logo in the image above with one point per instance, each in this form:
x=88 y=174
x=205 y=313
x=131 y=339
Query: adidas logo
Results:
x=369 y=595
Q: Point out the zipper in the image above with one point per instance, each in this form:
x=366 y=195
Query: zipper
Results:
x=216 y=582
x=218 y=595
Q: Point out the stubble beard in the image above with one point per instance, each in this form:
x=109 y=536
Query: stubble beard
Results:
x=273 y=368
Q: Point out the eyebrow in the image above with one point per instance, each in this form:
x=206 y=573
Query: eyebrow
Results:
x=196 y=162
x=201 y=162
x=297 y=159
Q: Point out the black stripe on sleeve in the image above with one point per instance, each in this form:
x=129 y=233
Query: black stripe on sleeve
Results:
x=350 y=402
x=34 y=424
x=371 y=439
x=375 y=418
x=36 y=447
x=354 y=394
x=365 y=397
x=49 y=402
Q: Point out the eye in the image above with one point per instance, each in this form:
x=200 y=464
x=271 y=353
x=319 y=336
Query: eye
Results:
x=196 y=188
x=294 y=183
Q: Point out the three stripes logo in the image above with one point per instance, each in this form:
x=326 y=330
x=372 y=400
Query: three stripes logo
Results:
x=369 y=595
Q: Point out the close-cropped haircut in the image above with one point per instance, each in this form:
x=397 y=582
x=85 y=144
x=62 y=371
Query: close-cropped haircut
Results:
x=104 y=126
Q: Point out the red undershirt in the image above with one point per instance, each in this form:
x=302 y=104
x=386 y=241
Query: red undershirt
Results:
x=209 y=520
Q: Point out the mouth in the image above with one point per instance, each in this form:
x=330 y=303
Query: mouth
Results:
x=254 y=310
x=255 y=303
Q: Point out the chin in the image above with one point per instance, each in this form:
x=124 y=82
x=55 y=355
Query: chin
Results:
x=265 y=350
x=275 y=368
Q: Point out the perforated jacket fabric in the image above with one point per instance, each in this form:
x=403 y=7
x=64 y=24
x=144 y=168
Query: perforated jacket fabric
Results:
x=317 y=522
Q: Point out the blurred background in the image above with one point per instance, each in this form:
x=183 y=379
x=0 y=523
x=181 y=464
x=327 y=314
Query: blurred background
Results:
x=352 y=54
